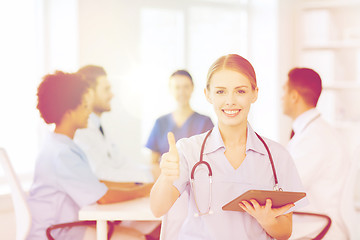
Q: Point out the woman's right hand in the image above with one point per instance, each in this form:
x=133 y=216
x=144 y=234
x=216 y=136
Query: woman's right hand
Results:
x=170 y=168
x=164 y=194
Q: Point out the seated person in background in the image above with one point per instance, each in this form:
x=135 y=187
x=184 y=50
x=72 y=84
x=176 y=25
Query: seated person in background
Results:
x=183 y=122
x=63 y=180
x=105 y=158
x=317 y=153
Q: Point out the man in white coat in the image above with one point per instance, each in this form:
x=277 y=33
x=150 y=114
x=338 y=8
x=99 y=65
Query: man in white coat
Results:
x=318 y=155
x=105 y=158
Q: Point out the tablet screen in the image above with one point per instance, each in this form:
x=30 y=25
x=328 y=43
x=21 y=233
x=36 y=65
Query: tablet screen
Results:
x=278 y=198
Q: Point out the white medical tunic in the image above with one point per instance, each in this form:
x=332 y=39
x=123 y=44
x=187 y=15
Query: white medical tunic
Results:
x=254 y=173
x=63 y=183
x=106 y=159
x=319 y=158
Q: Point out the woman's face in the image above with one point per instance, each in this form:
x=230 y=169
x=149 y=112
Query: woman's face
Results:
x=231 y=94
x=181 y=88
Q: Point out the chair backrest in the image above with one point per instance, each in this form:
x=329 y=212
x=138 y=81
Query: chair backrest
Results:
x=21 y=208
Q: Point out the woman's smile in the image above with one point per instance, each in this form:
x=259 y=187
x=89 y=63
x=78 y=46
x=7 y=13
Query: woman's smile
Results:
x=231 y=112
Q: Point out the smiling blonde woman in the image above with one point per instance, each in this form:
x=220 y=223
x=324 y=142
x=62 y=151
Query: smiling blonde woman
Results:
x=237 y=160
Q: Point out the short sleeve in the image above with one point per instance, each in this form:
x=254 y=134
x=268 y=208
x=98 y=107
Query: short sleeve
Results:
x=153 y=140
x=77 y=180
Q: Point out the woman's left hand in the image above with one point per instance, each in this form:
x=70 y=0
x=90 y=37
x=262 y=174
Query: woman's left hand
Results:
x=265 y=215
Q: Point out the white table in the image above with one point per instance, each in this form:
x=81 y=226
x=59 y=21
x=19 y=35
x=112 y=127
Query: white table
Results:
x=133 y=210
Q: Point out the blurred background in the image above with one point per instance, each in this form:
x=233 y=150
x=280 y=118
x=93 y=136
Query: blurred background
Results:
x=141 y=42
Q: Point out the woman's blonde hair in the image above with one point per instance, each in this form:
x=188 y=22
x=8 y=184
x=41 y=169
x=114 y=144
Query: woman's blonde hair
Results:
x=236 y=63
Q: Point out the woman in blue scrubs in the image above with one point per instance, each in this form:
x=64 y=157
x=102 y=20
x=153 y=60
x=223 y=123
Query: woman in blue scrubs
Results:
x=239 y=162
x=183 y=121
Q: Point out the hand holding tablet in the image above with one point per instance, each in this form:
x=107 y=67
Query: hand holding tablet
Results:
x=278 y=198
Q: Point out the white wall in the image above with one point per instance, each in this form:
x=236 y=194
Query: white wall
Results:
x=20 y=72
x=286 y=56
x=263 y=52
x=108 y=36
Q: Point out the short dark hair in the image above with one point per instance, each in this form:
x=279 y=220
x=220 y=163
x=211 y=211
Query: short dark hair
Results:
x=59 y=93
x=182 y=72
x=307 y=83
x=91 y=73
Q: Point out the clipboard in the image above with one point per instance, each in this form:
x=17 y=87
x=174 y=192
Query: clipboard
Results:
x=278 y=198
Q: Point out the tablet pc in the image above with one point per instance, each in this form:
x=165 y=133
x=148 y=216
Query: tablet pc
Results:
x=279 y=198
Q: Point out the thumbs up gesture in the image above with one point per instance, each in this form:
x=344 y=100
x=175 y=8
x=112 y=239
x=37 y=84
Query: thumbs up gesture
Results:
x=170 y=161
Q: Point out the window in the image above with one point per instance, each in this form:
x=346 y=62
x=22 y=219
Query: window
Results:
x=19 y=76
x=37 y=39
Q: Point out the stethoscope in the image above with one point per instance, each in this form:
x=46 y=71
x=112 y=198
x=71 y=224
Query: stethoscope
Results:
x=208 y=211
